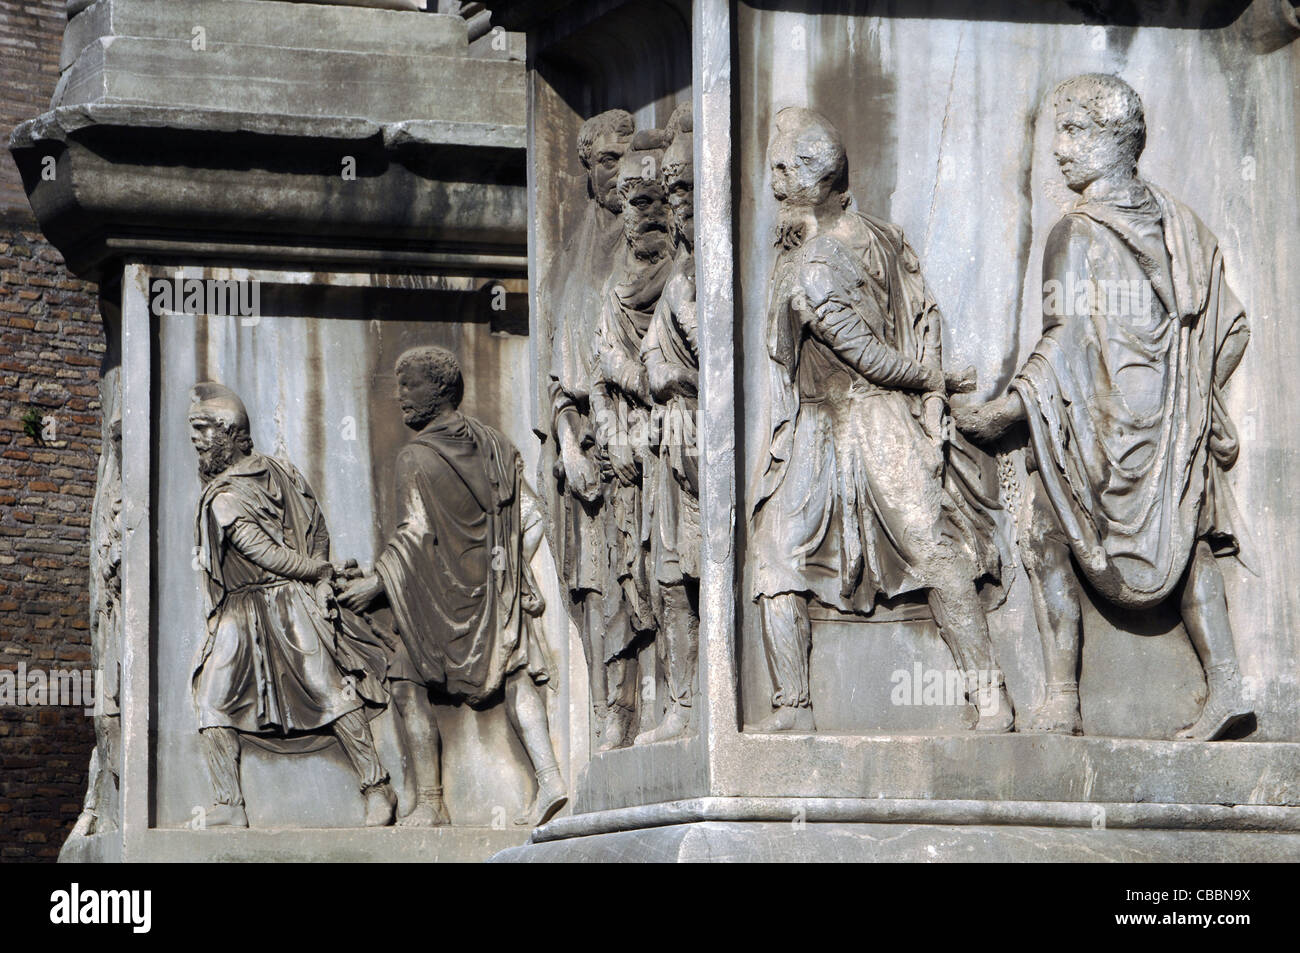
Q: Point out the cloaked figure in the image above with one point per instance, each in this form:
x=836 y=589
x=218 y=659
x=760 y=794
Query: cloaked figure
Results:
x=280 y=665
x=456 y=573
x=862 y=494
x=1129 y=438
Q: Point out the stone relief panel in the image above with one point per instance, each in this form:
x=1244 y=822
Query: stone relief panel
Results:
x=1129 y=436
x=1102 y=630
x=865 y=494
x=623 y=394
x=102 y=809
x=368 y=562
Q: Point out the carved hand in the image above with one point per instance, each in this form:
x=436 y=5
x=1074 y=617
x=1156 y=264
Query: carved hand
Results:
x=988 y=421
x=359 y=593
x=580 y=473
x=623 y=460
x=961 y=382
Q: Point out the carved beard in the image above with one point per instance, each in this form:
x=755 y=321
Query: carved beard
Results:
x=217 y=459
x=420 y=413
x=795 y=225
x=648 y=246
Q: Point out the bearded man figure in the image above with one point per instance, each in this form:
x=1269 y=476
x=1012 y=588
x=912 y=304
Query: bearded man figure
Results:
x=1129 y=438
x=280 y=665
x=456 y=574
x=622 y=405
x=862 y=495
x=670 y=352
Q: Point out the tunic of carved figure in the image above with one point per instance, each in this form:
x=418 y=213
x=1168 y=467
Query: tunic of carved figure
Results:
x=580 y=541
x=671 y=356
x=622 y=406
x=461 y=591
x=855 y=500
x=274 y=661
x=1126 y=417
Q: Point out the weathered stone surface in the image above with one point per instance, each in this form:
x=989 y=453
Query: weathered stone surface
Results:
x=777 y=842
x=165 y=179
x=268 y=23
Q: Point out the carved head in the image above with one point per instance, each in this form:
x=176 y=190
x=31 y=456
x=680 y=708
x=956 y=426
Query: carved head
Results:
x=1100 y=129
x=428 y=383
x=601 y=143
x=641 y=190
x=218 y=428
x=679 y=173
x=807 y=158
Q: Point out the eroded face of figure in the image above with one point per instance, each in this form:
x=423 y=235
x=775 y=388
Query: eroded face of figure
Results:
x=803 y=170
x=645 y=217
x=603 y=174
x=679 y=184
x=1084 y=150
x=420 y=397
x=215 y=442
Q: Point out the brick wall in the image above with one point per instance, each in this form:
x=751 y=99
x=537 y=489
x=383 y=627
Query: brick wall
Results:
x=51 y=345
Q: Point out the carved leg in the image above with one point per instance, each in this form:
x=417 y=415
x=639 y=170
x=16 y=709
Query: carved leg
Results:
x=787 y=641
x=221 y=750
x=1205 y=616
x=678 y=640
x=593 y=648
x=964 y=628
x=527 y=713
x=353 y=734
x=1055 y=593
x=620 y=674
x=423 y=751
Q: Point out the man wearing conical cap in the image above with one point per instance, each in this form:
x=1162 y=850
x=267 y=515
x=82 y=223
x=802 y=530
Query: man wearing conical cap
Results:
x=280 y=665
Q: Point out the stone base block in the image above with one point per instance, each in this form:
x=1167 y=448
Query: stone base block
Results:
x=353 y=845
x=739 y=842
x=782 y=830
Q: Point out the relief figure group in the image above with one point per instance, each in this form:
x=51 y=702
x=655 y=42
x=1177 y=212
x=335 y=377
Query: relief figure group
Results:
x=877 y=476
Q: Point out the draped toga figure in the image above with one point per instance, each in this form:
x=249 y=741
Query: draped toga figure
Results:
x=670 y=352
x=280 y=665
x=1129 y=438
x=584 y=478
x=622 y=404
x=456 y=573
x=861 y=496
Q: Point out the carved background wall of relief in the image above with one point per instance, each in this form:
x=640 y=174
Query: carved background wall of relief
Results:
x=948 y=129
x=316 y=374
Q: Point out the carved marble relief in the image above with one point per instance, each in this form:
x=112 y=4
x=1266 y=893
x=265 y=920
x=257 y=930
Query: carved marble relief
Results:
x=455 y=572
x=281 y=665
x=101 y=810
x=1122 y=409
x=297 y=656
x=670 y=353
x=865 y=493
x=583 y=470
